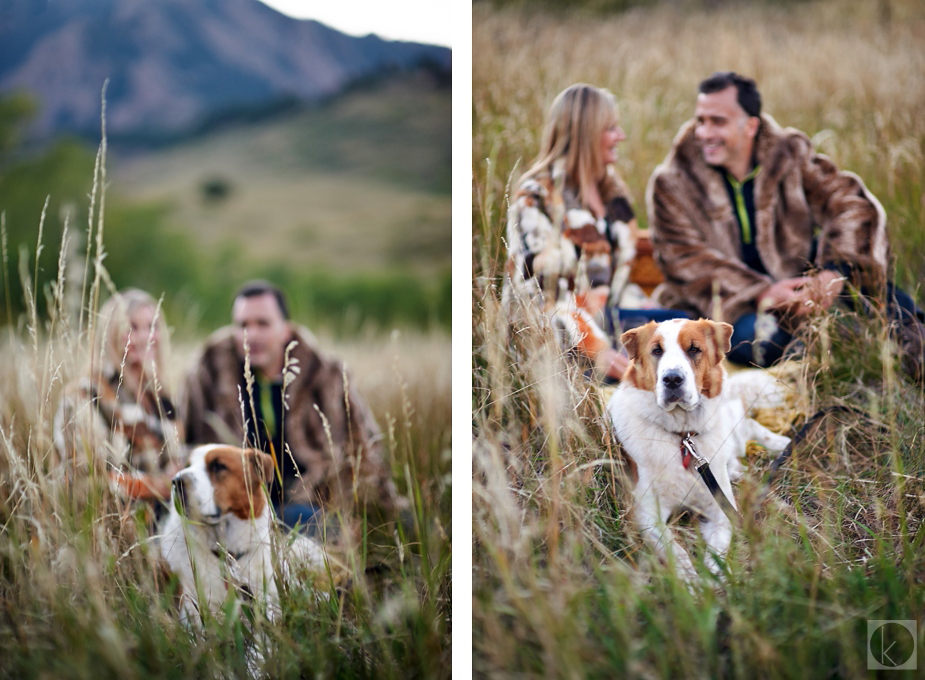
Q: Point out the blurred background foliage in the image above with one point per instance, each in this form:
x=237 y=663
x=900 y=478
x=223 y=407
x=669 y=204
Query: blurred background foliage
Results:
x=151 y=243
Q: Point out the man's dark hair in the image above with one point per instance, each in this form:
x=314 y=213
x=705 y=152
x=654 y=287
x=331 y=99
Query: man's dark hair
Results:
x=261 y=287
x=746 y=91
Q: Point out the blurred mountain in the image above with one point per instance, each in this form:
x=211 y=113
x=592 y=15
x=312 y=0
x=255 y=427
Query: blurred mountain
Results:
x=177 y=66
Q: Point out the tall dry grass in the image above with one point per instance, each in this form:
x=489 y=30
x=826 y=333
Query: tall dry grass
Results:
x=81 y=589
x=82 y=592
x=562 y=585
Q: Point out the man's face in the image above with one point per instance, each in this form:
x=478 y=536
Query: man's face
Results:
x=267 y=332
x=725 y=132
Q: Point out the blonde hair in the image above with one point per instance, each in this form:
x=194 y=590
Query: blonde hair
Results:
x=115 y=321
x=574 y=125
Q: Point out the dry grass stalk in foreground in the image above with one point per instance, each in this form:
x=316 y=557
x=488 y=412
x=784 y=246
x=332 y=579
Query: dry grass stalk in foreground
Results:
x=562 y=584
x=80 y=585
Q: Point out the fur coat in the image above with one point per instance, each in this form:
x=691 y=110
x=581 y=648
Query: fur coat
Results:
x=558 y=251
x=338 y=449
x=100 y=424
x=800 y=196
x=555 y=245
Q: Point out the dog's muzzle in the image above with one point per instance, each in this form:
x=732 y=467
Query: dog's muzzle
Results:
x=673 y=386
x=187 y=505
x=180 y=493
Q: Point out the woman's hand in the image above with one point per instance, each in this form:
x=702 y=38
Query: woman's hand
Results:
x=594 y=300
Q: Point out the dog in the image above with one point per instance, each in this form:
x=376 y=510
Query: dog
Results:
x=672 y=391
x=219 y=535
x=748 y=389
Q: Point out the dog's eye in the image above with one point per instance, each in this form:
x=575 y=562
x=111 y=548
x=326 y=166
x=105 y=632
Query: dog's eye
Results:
x=657 y=351
x=693 y=350
x=216 y=466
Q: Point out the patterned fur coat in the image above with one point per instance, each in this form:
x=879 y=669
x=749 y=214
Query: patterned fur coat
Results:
x=331 y=469
x=554 y=244
x=99 y=423
x=799 y=195
x=558 y=252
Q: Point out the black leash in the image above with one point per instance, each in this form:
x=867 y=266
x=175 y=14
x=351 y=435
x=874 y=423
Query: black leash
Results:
x=796 y=440
x=702 y=466
x=689 y=454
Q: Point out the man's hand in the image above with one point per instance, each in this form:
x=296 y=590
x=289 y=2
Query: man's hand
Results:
x=782 y=292
x=796 y=298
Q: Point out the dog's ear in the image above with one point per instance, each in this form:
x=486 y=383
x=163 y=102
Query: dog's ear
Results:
x=261 y=465
x=635 y=338
x=718 y=334
x=640 y=373
x=723 y=334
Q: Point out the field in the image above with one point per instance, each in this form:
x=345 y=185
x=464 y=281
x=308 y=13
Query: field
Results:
x=562 y=586
x=361 y=182
x=77 y=588
x=345 y=204
x=81 y=594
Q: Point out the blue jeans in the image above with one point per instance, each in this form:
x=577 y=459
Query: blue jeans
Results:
x=900 y=308
x=744 y=346
x=304 y=515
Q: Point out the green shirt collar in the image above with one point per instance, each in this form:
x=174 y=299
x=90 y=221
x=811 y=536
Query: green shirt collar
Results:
x=748 y=178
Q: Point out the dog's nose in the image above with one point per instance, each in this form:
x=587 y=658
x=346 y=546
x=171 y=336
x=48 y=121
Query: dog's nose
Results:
x=672 y=380
x=179 y=489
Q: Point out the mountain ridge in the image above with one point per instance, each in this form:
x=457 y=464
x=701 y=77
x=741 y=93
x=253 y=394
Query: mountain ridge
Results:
x=174 y=66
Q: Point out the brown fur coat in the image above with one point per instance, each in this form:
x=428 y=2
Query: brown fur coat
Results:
x=799 y=194
x=332 y=468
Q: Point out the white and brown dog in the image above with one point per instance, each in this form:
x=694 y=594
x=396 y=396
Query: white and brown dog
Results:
x=225 y=536
x=672 y=391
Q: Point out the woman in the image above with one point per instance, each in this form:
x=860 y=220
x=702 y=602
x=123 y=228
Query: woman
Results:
x=119 y=418
x=571 y=230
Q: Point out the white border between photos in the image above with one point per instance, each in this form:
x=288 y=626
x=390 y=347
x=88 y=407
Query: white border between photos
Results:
x=462 y=341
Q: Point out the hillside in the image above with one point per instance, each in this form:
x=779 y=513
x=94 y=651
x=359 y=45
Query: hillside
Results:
x=359 y=183
x=242 y=143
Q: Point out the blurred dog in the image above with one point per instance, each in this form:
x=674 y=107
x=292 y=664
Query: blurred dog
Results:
x=220 y=534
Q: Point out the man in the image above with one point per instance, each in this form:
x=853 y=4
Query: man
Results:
x=746 y=218
x=264 y=382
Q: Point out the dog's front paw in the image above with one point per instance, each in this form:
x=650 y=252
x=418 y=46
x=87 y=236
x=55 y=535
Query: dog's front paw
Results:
x=776 y=442
x=735 y=469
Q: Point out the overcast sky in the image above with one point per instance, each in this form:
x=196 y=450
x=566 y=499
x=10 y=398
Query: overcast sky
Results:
x=427 y=21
